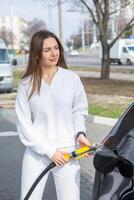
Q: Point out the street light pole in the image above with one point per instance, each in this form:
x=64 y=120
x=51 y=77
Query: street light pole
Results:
x=60 y=21
x=50 y=16
x=11 y=20
x=82 y=29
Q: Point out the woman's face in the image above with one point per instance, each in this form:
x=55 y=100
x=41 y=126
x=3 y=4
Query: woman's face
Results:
x=50 y=52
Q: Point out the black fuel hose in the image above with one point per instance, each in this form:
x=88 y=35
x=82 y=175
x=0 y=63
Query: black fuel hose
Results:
x=50 y=166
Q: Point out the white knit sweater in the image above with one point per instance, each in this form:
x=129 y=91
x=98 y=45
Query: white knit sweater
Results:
x=52 y=119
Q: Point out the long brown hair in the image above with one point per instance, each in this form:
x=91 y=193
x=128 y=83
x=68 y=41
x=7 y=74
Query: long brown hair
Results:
x=34 y=69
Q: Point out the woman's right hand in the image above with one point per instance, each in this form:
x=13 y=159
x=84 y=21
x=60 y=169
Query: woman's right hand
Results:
x=59 y=157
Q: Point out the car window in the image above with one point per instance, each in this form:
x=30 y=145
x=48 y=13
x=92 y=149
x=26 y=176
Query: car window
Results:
x=131 y=48
x=4 y=59
x=124 y=50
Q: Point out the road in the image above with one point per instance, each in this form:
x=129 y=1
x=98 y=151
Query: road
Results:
x=91 y=61
x=83 y=60
x=11 y=152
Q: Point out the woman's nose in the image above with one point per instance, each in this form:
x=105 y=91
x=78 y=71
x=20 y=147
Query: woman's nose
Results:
x=53 y=52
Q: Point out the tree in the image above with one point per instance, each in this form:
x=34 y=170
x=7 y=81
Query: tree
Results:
x=76 y=41
x=122 y=21
x=32 y=27
x=7 y=36
x=101 y=12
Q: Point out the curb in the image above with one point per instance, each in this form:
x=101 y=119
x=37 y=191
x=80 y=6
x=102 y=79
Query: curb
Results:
x=102 y=120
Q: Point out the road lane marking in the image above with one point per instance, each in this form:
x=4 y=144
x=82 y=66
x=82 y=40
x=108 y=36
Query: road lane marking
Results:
x=8 y=133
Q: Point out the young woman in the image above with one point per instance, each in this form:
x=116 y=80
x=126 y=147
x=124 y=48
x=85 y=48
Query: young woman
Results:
x=51 y=107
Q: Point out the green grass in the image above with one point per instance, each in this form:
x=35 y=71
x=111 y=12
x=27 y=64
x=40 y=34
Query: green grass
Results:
x=111 y=111
x=17 y=74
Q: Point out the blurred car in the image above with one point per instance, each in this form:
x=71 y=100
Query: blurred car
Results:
x=73 y=53
x=6 y=73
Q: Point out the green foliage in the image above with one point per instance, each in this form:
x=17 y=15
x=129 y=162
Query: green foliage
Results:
x=111 y=111
x=17 y=75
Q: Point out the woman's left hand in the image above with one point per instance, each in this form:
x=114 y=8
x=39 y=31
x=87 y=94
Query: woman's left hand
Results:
x=83 y=141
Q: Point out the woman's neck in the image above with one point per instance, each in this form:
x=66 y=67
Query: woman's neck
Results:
x=50 y=70
x=49 y=73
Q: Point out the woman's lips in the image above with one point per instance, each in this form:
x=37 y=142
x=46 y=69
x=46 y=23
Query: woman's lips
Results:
x=53 y=59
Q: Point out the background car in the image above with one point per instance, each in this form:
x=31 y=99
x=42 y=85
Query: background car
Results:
x=73 y=53
x=6 y=73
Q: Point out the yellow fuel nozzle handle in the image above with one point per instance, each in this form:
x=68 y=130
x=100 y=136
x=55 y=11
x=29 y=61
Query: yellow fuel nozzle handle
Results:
x=80 y=152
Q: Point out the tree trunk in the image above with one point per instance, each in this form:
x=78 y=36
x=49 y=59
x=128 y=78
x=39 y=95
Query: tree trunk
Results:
x=105 y=65
x=105 y=69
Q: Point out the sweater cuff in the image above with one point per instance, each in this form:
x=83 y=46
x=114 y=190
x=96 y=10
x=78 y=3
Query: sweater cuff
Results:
x=79 y=133
x=51 y=152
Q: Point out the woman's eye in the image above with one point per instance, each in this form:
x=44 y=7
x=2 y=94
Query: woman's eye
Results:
x=45 y=50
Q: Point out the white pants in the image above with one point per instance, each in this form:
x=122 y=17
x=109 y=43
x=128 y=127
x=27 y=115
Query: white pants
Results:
x=66 y=178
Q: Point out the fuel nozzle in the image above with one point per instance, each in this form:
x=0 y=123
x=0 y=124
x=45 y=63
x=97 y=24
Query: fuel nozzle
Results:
x=82 y=152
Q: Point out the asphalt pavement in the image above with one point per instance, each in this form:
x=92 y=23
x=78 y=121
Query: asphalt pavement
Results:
x=11 y=152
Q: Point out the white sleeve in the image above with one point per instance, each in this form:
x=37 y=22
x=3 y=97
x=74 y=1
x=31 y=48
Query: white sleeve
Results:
x=27 y=134
x=80 y=108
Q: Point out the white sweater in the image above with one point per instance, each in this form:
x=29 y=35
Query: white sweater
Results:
x=52 y=119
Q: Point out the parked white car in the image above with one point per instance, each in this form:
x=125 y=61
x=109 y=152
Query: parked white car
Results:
x=6 y=77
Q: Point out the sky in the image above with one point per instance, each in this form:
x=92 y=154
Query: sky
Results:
x=30 y=9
